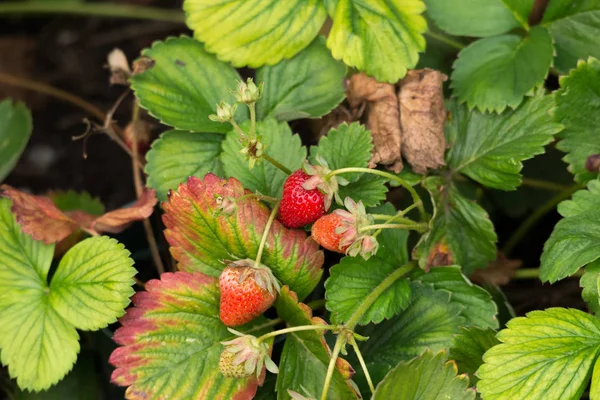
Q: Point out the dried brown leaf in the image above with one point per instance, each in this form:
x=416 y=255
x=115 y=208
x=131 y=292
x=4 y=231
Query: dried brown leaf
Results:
x=321 y=126
x=40 y=218
x=382 y=118
x=422 y=119
x=498 y=272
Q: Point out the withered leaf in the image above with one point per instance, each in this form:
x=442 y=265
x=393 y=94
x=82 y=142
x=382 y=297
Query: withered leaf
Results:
x=422 y=119
x=42 y=220
x=382 y=118
x=498 y=272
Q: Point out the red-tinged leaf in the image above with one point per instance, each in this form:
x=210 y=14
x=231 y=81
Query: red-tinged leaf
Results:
x=201 y=237
x=305 y=356
x=40 y=218
x=171 y=343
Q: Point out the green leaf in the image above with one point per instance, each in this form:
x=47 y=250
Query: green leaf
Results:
x=15 y=130
x=590 y=282
x=256 y=32
x=478 y=18
x=479 y=309
x=468 y=348
x=72 y=201
x=382 y=38
x=499 y=71
x=546 y=355
x=309 y=85
x=279 y=143
x=574 y=240
x=578 y=109
x=370 y=189
x=354 y=279
x=171 y=342
x=200 y=238
x=92 y=285
x=461 y=225
x=428 y=377
x=305 y=356
x=344 y=147
x=176 y=156
x=427 y=323
x=184 y=85
x=573 y=26
x=393 y=243
x=490 y=148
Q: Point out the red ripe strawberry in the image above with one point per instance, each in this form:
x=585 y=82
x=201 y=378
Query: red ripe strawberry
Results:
x=299 y=206
x=246 y=292
x=324 y=232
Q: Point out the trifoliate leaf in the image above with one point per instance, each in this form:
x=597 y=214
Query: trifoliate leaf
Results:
x=279 y=143
x=37 y=344
x=578 y=109
x=427 y=323
x=479 y=309
x=201 y=237
x=355 y=281
x=184 y=85
x=73 y=201
x=307 y=86
x=499 y=71
x=370 y=189
x=590 y=282
x=256 y=32
x=92 y=285
x=175 y=329
x=405 y=381
x=460 y=228
x=490 y=148
x=536 y=355
x=468 y=347
x=344 y=147
x=574 y=241
x=478 y=18
x=177 y=155
x=305 y=356
x=574 y=25
x=382 y=38
x=15 y=130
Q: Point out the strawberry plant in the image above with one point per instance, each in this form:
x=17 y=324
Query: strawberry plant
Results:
x=333 y=206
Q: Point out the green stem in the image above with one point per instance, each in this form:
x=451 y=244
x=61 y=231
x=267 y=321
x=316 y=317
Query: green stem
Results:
x=416 y=227
x=265 y=235
x=298 y=329
x=334 y=355
x=252 y=107
x=368 y=301
x=115 y=10
x=541 y=184
x=238 y=129
x=445 y=39
x=530 y=221
x=316 y=304
x=391 y=177
x=395 y=218
x=276 y=164
x=363 y=365
x=534 y=273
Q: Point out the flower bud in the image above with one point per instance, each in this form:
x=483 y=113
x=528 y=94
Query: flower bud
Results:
x=248 y=92
x=225 y=112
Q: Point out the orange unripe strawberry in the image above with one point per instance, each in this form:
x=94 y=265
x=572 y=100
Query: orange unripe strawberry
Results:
x=324 y=232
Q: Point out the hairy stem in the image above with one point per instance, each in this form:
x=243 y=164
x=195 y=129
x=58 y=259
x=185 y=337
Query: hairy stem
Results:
x=265 y=235
x=340 y=341
x=277 y=164
x=252 y=107
x=542 y=184
x=534 y=273
x=534 y=217
x=440 y=37
x=391 y=177
x=363 y=365
x=238 y=129
x=298 y=329
x=414 y=226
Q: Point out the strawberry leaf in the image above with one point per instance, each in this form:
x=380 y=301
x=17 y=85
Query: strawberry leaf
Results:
x=73 y=201
x=427 y=323
x=171 y=342
x=279 y=143
x=404 y=382
x=200 y=239
x=370 y=189
x=309 y=85
x=479 y=309
x=15 y=130
x=590 y=282
x=177 y=155
x=536 y=354
x=254 y=32
x=305 y=354
x=37 y=343
x=468 y=348
x=184 y=84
